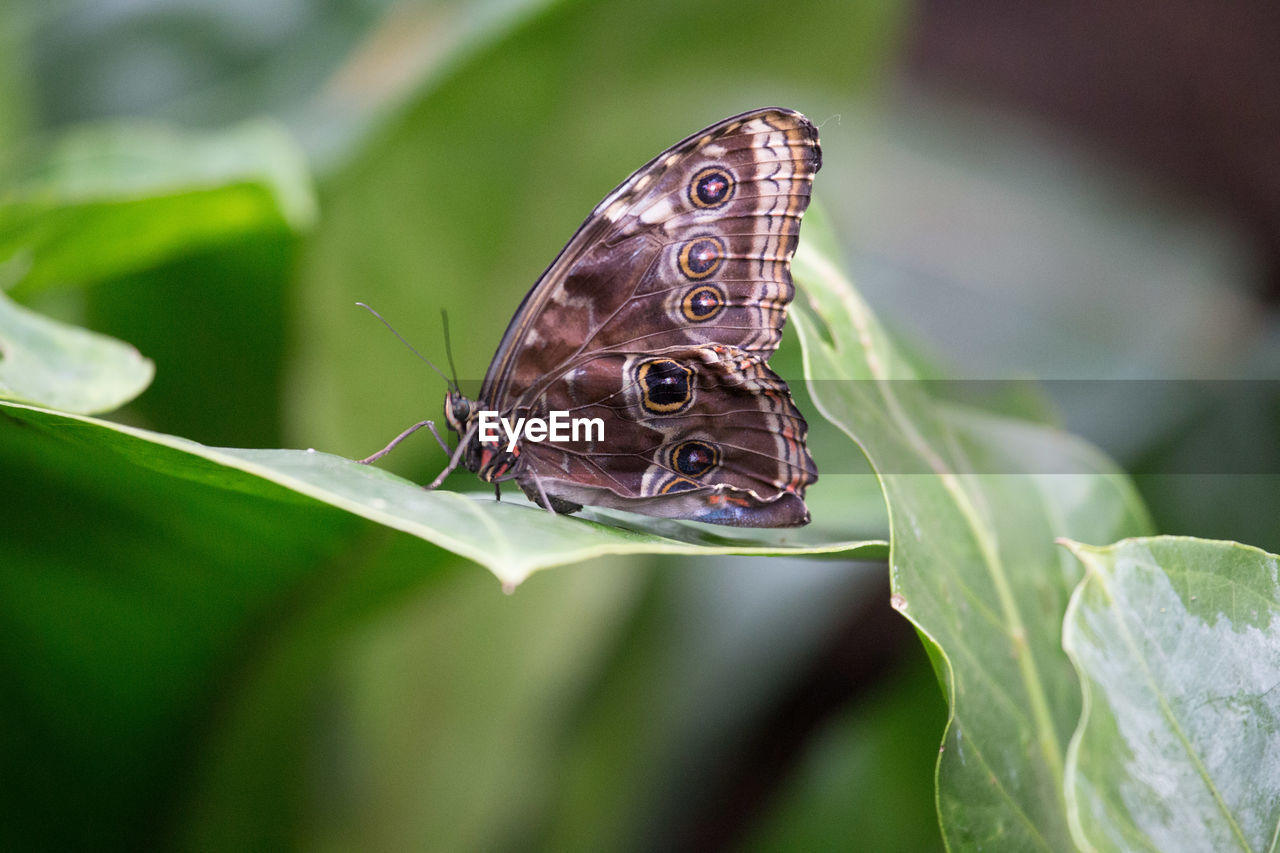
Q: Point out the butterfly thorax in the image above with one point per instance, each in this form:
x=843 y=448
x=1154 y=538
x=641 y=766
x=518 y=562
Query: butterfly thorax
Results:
x=490 y=460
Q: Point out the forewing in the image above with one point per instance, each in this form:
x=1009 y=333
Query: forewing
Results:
x=694 y=248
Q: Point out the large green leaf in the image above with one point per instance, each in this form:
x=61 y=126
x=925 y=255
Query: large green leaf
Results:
x=975 y=502
x=105 y=200
x=510 y=538
x=64 y=367
x=1176 y=641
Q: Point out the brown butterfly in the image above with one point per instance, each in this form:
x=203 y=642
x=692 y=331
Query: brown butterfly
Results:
x=655 y=323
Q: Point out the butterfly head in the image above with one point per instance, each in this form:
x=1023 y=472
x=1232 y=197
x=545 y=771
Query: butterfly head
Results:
x=458 y=411
x=492 y=459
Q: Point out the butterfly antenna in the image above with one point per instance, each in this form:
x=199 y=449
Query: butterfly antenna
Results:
x=448 y=349
x=429 y=362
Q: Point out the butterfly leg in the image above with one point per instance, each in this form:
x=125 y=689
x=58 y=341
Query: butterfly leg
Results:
x=402 y=436
x=453 y=460
x=542 y=493
x=444 y=445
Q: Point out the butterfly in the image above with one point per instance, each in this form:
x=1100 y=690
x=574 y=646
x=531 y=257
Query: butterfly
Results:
x=655 y=323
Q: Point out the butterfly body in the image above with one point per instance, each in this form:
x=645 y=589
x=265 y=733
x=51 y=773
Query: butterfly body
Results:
x=656 y=320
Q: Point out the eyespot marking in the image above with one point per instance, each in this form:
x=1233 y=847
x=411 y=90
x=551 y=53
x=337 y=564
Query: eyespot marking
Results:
x=701 y=257
x=711 y=187
x=677 y=484
x=702 y=303
x=694 y=458
x=666 y=386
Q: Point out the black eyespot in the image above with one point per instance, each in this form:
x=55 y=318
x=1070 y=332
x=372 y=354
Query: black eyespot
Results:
x=702 y=303
x=694 y=458
x=711 y=187
x=665 y=385
x=701 y=257
x=677 y=484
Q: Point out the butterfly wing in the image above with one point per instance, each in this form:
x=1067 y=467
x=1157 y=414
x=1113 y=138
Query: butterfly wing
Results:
x=686 y=263
x=707 y=433
x=702 y=236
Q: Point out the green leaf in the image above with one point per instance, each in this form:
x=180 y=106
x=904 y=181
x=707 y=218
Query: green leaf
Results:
x=134 y=605
x=106 y=200
x=65 y=367
x=975 y=503
x=512 y=539
x=1179 y=744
